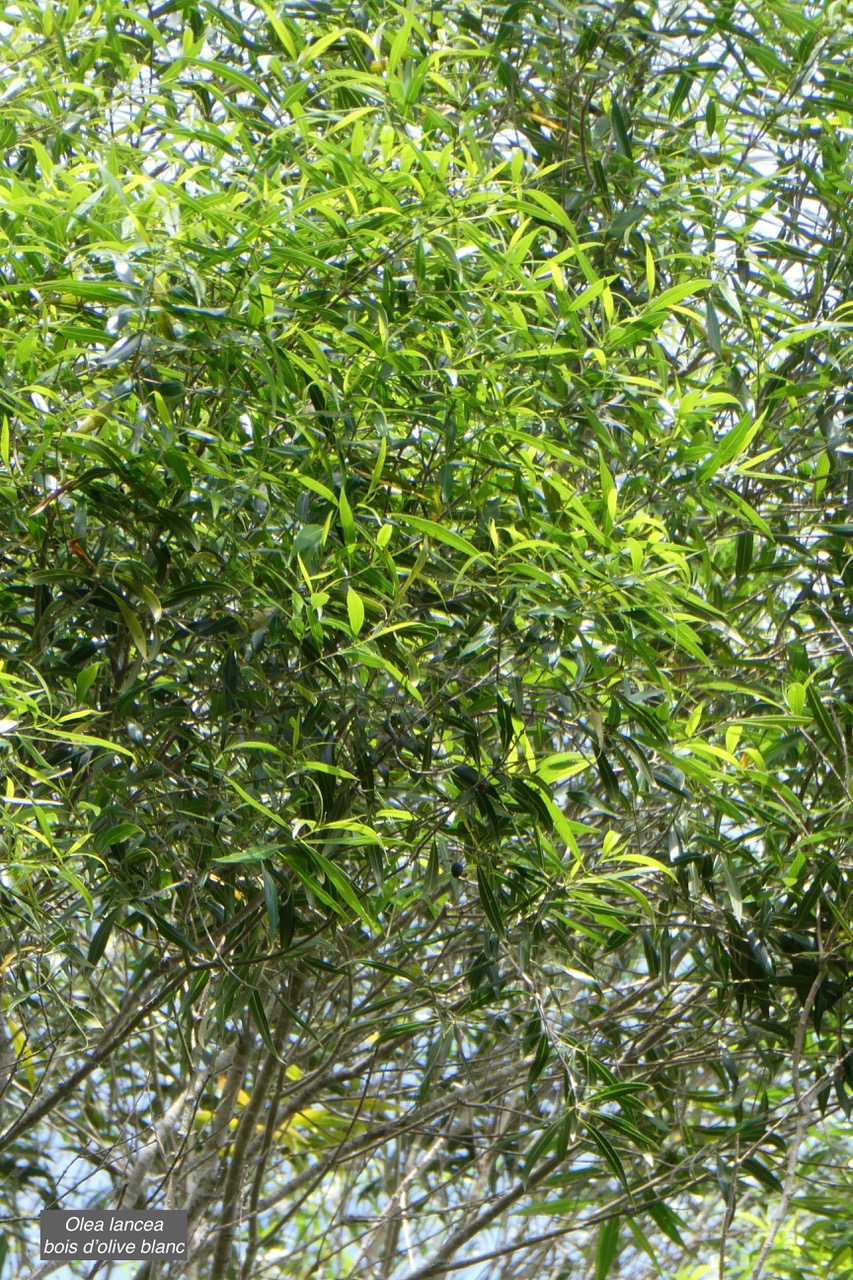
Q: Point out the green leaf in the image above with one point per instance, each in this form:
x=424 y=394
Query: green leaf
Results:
x=256 y=745
x=762 y=1174
x=133 y=625
x=680 y=92
x=731 y=446
x=254 y=853
x=437 y=1053
x=151 y=600
x=378 y=467
x=256 y=1005
x=734 y=891
x=745 y=544
x=400 y=45
x=795 y=696
x=267 y=812
x=331 y=770
x=101 y=937
x=620 y=131
x=676 y=294
x=116 y=834
x=540 y=1060
x=642 y=1241
x=550 y=206
x=541 y=1147
x=168 y=931
x=668 y=1221
x=86 y=679
x=611 y=1157
x=349 y=894
x=607 y=1248
x=439 y=534
x=822 y=717
x=347 y=521
x=490 y=903
x=712 y=327
x=279 y=27
x=355 y=610
x=317 y=487
x=271 y=900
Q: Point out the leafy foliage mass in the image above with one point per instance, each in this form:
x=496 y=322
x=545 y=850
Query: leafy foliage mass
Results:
x=425 y=628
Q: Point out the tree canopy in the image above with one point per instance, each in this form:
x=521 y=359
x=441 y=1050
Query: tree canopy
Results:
x=425 y=633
